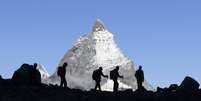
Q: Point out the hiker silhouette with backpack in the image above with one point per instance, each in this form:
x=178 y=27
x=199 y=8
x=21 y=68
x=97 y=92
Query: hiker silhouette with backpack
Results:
x=114 y=75
x=35 y=75
x=62 y=73
x=140 y=77
x=97 y=77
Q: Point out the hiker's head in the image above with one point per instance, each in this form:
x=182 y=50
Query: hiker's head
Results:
x=140 y=67
x=65 y=64
x=100 y=68
x=35 y=65
x=117 y=67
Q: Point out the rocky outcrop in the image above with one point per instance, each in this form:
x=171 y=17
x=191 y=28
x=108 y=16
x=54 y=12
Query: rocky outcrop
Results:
x=26 y=75
x=12 y=92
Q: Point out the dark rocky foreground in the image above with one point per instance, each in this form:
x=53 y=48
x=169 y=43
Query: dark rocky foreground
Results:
x=9 y=91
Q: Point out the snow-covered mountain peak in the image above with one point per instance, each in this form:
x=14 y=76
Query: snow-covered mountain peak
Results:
x=92 y=51
x=98 y=26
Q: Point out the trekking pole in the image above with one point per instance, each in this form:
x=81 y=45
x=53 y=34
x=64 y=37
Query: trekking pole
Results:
x=120 y=85
x=106 y=84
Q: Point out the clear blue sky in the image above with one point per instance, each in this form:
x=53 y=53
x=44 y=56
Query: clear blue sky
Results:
x=163 y=36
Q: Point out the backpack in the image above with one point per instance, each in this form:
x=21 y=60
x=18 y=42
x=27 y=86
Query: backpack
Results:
x=59 y=71
x=95 y=75
x=112 y=74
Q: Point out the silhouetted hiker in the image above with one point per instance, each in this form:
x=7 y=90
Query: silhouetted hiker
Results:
x=114 y=75
x=1 y=79
x=97 y=77
x=62 y=73
x=35 y=75
x=1 y=83
x=140 y=77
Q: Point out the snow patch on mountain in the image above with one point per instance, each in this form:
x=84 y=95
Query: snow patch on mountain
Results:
x=43 y=72
x=109 y=85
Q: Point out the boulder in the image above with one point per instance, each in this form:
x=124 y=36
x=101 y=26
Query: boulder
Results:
x=189 y=85
x=26 y=74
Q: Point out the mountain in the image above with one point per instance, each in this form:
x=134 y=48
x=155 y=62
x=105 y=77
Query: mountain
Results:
x=92 y=51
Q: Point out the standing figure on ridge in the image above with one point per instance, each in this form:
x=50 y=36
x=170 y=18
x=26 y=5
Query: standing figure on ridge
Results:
x=97 y=77
x=62 y=73
x=114 y=75
x=140 y=77
x=35 y=75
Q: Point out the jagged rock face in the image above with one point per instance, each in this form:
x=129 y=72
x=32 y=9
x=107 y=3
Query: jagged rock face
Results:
x=94 y=50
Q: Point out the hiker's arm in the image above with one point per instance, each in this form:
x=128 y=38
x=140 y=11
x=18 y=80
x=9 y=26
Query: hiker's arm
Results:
x=104 y=75
x=121 y=76
x=142 y=76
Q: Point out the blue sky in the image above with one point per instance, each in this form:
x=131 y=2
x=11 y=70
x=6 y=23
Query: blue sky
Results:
x=161 y=35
